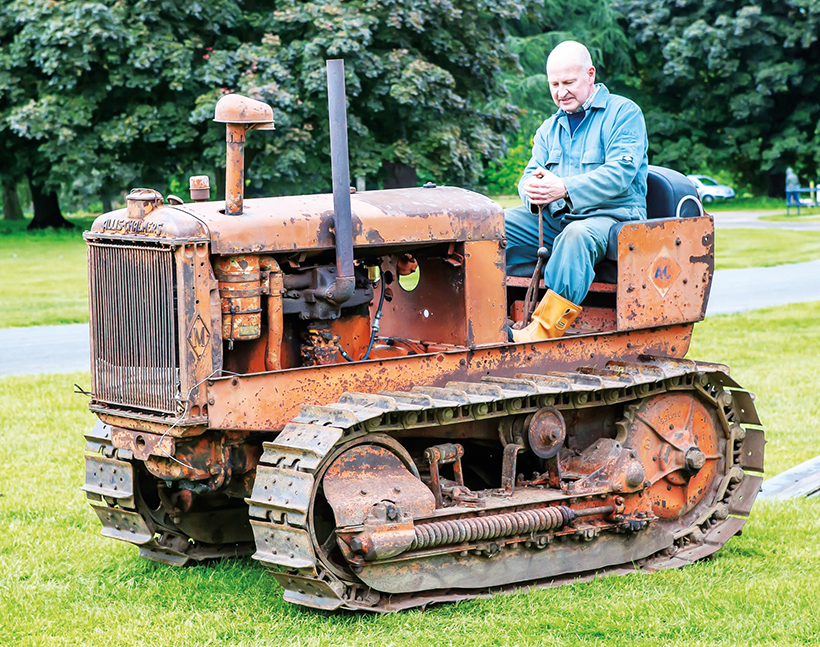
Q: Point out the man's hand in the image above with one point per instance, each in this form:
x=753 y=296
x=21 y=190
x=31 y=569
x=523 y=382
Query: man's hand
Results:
x=543 y=187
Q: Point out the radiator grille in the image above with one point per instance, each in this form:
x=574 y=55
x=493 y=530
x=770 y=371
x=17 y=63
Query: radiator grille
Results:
x=133 y=326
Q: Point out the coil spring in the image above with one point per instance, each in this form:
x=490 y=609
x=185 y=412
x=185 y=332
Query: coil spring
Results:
x=457 y=531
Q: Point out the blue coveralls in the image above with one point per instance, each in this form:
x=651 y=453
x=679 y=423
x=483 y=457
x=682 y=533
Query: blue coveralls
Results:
x=603 y=166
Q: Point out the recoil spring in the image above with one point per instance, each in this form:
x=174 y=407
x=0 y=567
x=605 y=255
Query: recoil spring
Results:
x=457 y=531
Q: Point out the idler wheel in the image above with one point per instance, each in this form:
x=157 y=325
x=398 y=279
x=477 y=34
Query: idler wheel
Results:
x=680 y=443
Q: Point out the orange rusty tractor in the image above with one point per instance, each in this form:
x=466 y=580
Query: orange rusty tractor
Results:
x=326 y=382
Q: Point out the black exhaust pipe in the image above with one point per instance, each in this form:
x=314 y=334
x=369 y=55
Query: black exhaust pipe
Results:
x=343 y=287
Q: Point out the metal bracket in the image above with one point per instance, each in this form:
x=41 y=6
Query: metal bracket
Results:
x=449 y=453
x=509 y=467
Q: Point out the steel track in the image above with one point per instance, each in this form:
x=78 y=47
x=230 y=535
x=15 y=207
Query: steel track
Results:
x=289 y=472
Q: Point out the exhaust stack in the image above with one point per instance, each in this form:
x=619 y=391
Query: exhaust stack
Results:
x=345 y=283
x=241 y=114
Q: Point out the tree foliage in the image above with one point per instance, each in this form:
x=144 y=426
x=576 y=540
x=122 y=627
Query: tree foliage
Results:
x=110 y=93
x=100 y=93
x=729 y=84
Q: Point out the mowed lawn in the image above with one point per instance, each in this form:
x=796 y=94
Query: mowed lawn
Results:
x=42 y=276
x=62 y=584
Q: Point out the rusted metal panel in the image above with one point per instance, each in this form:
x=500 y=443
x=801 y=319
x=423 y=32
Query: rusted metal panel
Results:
x=594 y=319
x=744 y=405
x=200 y=347
x=301 y=445
x=172 y=224
x=435 y=311
x=752 y=449
x=367 y=475
x=283 y=492
x=665 y=271
x=143 y=444
x=151 y=424
x=271 y=400
x=380 y=218
x=484 y=293
x=283 y=545
x=309 y=592
x=742 y=499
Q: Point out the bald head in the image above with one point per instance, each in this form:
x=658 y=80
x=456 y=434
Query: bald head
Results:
x=571 y=75
x=570 y=51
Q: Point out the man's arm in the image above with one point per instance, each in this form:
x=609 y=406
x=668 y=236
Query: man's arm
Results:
x=625 y=150
x=537 y=185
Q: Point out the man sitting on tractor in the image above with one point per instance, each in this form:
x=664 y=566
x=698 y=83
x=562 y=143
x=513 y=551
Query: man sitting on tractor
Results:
x=587 y=172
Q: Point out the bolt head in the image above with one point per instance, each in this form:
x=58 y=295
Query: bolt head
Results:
x=695 y=459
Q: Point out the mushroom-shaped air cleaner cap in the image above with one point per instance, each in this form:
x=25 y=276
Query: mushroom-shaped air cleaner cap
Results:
x=237 y=109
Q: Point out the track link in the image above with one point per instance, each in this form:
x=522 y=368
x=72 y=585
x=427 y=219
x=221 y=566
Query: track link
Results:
x=289 y=470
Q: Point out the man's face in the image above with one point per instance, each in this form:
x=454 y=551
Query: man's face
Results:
x=570 y=83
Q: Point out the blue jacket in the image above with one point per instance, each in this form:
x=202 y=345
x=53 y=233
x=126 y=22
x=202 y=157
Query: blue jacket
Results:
x=603 y=165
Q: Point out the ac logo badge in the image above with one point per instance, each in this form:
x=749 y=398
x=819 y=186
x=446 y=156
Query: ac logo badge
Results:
x=663 y=271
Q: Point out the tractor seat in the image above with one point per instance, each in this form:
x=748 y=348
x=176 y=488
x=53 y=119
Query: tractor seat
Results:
x=669 y=194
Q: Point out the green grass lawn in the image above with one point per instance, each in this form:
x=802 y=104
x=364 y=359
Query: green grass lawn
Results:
x=42 y=275
x=747 y=204
x=738 y=248
x=64 y=585
x=806 y=215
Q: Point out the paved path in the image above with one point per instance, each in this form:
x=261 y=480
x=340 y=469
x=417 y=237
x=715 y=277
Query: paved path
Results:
x=44 y=349
x=802 y=480
x=61 y=349
x=751 y=220
x=762 y=287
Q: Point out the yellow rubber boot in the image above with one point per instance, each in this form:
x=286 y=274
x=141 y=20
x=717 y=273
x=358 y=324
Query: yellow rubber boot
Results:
x=551 y=319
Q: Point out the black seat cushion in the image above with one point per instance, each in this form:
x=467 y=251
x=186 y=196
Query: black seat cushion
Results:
x=665 y=189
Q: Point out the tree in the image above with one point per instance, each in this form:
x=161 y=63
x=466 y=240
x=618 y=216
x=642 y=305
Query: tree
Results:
x=99 y=94
x=729 y=85
x=110 y=94
x=11 y=200
x=423 y=83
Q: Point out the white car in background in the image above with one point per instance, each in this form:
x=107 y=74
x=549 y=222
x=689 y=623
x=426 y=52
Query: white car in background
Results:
x=710 y=189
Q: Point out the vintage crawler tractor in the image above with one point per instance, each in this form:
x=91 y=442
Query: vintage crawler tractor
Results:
x=325 y=382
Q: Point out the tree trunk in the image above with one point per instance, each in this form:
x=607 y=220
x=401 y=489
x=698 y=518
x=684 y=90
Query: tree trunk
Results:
x=106 y=202
x=399 y=176
x=11 y=201
x=776 y=185
x=46 y=209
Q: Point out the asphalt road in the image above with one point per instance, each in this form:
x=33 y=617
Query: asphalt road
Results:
x=751 y=220
x=63 y=349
